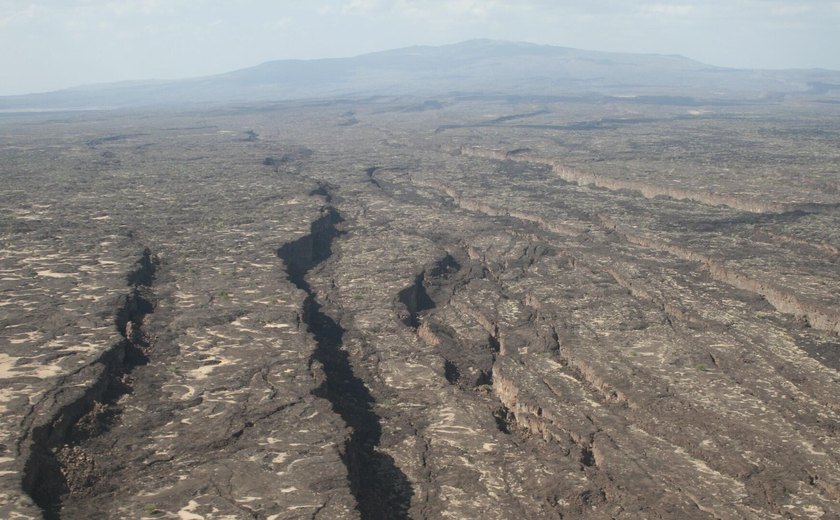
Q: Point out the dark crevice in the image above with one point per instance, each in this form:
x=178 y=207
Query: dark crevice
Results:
x=303 y=254
x=323 y=190
x=504 y=419
x=58 y=465
x=451 y=372
x=370 y=172
x=468 y=366
x=416 y=300
x=423 y=294
x=445 y=268
x=381 y=490
x=493 y=342
x=144 y=273
x=587 y=458
x=472 y=363
x=485 y=378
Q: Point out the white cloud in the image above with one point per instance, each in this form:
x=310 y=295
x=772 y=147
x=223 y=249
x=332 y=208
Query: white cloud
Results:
x=671 y=10
x=364 y=6
x=18 y=15
x=790 y=9
x=425 y=9
x=481 y=8
x=138 y=7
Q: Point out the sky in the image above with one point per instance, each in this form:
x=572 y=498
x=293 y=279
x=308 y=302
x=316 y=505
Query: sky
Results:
x=52 y=44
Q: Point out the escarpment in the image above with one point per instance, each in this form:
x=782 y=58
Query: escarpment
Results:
x=816 y=314
x=646 y=189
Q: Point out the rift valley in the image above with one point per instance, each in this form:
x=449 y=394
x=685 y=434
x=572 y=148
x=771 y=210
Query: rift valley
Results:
x=393 y=307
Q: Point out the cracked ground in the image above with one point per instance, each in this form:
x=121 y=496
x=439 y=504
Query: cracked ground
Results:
x=487 y=309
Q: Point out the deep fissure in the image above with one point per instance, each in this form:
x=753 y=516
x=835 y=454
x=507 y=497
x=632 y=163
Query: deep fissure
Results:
x=469 y=366
x=381 y=490
x=423 y=294
x=50 y=475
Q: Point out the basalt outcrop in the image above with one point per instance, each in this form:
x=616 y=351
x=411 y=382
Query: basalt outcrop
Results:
x=490 y=309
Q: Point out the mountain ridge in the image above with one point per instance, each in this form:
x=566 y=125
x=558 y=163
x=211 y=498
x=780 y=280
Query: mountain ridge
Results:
x=480 y=66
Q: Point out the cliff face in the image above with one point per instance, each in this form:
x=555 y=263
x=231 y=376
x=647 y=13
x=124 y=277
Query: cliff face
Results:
x=816 y=314
x=645 y=189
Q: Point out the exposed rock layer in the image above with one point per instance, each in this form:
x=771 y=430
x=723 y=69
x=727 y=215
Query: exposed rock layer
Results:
x=371 y=326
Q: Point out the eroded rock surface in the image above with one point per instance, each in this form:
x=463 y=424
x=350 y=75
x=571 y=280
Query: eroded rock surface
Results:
x=490 y=309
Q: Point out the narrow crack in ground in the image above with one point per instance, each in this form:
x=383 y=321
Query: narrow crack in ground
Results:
x=381 y=490
x=58 y=464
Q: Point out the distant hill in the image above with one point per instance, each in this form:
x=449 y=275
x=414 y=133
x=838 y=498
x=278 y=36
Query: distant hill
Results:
x=476 y=67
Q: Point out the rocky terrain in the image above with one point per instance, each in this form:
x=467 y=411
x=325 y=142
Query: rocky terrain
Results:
x=422 y=308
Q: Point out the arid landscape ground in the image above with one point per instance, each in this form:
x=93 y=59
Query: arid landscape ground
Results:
x=458 y=307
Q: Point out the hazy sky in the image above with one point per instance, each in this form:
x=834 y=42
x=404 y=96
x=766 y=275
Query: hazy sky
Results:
x=51 y=44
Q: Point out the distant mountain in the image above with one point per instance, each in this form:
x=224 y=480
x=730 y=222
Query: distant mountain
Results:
x=476 y=67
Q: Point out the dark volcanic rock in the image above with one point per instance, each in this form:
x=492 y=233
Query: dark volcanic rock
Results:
x=459 y=308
